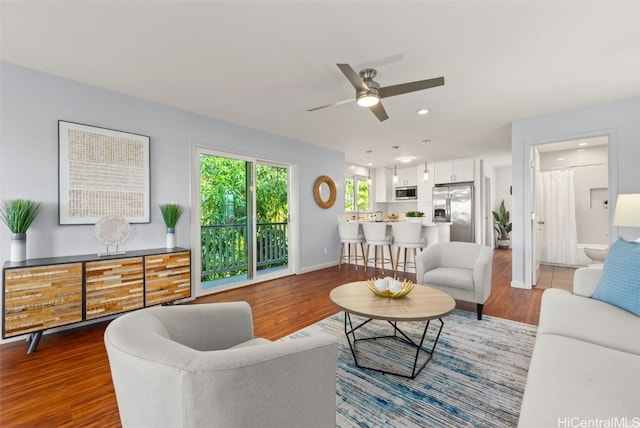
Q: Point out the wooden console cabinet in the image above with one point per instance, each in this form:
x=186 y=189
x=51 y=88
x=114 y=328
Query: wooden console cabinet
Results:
x=40 y=294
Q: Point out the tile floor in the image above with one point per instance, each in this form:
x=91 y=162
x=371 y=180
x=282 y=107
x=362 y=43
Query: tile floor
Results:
x=556 y=277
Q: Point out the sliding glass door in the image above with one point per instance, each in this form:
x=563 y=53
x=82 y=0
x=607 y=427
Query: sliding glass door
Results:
x=272 y=218
x=244 y=230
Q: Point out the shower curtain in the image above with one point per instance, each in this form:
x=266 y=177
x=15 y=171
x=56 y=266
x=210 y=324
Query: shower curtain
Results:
x=559 y=237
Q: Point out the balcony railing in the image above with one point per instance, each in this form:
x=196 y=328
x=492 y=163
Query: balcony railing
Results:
x=224 y=248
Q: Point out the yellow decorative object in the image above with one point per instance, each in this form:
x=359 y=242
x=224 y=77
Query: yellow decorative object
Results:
x=400 y=290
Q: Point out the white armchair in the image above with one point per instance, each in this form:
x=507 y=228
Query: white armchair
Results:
x=200 y=366
x=460 y=269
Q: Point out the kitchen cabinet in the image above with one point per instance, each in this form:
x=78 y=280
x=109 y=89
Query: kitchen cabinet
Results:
x=406 y=177
x=39 y=294
x=384 y=189
x=453 y=171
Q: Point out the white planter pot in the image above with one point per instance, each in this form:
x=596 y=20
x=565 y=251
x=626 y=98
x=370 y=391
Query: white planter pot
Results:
x=503 y=243
x=171 y=237
x=18 y=247
x=415 y=219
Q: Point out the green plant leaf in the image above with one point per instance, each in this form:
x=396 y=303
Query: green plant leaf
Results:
x=19 y=214
x=171 y=214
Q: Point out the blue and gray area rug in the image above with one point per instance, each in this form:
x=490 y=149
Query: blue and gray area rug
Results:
x=476 y=377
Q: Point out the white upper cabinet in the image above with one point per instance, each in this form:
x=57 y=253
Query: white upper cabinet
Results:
x=454 y=171
x=384 y=190
x=406 y=177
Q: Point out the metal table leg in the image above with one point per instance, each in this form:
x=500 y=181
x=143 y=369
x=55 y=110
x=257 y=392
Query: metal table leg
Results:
x=350 y=332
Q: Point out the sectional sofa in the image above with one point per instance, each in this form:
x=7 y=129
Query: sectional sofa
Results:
x=585 y=367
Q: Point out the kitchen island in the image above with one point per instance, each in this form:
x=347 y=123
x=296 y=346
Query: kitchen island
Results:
x=431 y=232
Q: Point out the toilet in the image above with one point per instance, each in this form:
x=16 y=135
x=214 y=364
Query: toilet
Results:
x=596 y=254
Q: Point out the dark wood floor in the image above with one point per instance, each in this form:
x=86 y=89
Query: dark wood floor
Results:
x=67 y=382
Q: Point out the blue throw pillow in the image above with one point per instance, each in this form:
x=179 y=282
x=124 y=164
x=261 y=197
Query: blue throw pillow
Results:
x=620 y=281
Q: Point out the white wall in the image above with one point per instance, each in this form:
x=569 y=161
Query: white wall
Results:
x=618 y=120
x=503 y=184
x=31 y=105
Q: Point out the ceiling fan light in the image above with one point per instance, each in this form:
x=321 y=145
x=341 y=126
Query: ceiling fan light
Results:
x=368 y=99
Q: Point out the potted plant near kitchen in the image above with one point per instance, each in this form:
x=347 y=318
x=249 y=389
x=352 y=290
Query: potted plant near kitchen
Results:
x=171 y=214
x=414 y=216
x=18 y=214
x=502 y=226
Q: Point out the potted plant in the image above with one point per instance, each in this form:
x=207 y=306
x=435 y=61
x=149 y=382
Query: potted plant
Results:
x=414 y=216
x=171 y=214
x=502 y=225
x=18 y=214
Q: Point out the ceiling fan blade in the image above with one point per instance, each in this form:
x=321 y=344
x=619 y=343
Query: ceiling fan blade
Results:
x=353 y=77
x=337 y=103
x=403 y=88
x=379 y=111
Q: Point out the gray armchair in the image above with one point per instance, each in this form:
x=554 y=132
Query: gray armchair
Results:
x=460 y=269
x=200 y=366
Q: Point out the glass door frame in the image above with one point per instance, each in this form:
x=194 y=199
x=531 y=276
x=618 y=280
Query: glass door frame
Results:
x=196 y=247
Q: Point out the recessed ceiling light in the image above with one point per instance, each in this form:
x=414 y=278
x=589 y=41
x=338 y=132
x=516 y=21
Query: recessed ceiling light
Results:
x=370 y=164
x=580 y=150
x=560 y=159
x=583 y=144
x=405 y=159
x=422 y=111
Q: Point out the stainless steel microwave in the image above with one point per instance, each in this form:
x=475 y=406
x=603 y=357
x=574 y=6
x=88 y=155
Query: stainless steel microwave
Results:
x=406 y=192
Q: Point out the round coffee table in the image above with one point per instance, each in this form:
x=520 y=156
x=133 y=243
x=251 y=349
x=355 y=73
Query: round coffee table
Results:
x=422 y=304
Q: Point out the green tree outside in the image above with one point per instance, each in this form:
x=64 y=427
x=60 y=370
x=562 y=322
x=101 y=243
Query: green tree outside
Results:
x=223 y=195
x=223 y=184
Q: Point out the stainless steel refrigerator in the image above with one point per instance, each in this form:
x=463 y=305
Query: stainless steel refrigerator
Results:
x=454 y=203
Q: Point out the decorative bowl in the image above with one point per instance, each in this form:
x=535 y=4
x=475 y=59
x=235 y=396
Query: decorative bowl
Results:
x=402 y=290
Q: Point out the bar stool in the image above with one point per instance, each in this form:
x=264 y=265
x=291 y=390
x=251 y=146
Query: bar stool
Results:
x=376 y=234
x=350 y=234
x=407 y=235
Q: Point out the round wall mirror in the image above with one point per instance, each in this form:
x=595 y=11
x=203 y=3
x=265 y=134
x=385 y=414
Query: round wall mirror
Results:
x=324 y=191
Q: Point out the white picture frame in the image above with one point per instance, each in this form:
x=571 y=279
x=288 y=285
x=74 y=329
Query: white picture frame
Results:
x=102 y=172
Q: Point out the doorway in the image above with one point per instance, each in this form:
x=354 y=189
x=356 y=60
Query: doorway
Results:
x=570 y=193
x=241 y=220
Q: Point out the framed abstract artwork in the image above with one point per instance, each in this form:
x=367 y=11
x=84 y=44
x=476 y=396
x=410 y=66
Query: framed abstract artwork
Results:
x=102 y=172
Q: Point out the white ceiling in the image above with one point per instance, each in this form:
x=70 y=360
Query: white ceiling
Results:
x=262 y=64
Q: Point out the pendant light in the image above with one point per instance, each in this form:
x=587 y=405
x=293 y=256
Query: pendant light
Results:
x=425 y=173
x=395 y=175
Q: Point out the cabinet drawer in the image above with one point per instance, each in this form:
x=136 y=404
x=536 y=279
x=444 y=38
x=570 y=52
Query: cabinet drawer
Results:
x=167 y=277
x=114 y=286
x=38 y=298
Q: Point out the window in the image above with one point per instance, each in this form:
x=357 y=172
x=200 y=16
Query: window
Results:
x=356 y=193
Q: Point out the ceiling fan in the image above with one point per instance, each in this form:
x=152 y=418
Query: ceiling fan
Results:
x=369 y=92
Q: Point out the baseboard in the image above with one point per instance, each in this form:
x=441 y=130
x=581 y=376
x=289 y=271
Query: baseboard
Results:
x=519 y=284
x=318 y=267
